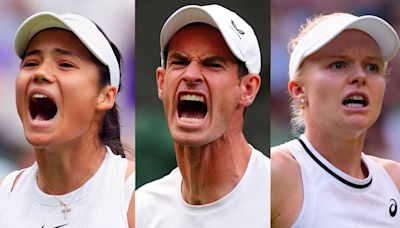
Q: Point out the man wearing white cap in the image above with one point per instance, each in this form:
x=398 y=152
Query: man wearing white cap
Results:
x=337 y=78
x=209 y=75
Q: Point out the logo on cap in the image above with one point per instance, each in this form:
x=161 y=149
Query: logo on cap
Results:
x=238 y=31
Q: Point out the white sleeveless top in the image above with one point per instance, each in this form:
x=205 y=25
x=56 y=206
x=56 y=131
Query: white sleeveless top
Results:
x=334 y=199
x=101 y=202
x=159 y=204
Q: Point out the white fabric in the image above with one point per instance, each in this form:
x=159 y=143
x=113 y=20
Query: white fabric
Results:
x=160 y=204
x=319 y=36
x=237 y=33
x=330 y=203
x=86 y=31
x=101 y=202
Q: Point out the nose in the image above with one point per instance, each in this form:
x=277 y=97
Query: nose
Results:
x=42 y=75
x=358 y=75
x=193 y=74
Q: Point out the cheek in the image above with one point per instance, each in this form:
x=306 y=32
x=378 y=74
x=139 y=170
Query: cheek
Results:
x=20 y=88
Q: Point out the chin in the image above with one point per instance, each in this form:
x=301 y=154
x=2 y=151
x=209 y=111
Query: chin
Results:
x=192 y=139
x=38 y=141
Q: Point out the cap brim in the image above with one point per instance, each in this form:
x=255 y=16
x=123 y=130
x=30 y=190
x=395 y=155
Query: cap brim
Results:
x=32 y=26
x=384 y=35
x=192 y=14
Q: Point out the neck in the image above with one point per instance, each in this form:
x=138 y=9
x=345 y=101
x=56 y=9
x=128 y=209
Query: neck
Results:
x=64 y=168
x=340 y=150
x=211 y=171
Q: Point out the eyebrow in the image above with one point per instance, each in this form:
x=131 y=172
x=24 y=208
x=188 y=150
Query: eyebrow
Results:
x=58 y=51
x=180 y=56
x=346 y=57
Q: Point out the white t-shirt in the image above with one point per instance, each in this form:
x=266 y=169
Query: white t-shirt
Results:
x=334 y=199
x=102 y=201
x=160 y=203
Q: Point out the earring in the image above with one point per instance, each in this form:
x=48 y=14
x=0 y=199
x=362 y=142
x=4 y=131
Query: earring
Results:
x=302 y=101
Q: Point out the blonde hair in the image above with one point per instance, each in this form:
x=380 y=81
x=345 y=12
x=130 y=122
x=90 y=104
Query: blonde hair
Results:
x=297 y=119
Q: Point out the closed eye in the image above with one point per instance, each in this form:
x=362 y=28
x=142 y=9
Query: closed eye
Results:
x=66 y=65
x=29 y=63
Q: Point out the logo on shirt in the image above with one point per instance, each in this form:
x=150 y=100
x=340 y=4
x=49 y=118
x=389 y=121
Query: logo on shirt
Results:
x=393 y=207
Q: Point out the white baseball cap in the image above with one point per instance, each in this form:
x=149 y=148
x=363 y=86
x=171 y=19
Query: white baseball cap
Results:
x=238 y=35
x=319 y=36
x=86 y=31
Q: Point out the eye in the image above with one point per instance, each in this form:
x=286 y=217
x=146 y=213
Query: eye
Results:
x=338 y=65
x=179 y=62
x=373 y=67
x=66 y=65
x=214 y=65
x=29 y=63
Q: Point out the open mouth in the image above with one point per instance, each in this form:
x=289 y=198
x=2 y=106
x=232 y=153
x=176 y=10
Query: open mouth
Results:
x=192 y=108
x=41 y=107
x=356 y=101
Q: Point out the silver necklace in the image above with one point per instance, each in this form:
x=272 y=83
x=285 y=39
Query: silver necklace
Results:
x=66 y=206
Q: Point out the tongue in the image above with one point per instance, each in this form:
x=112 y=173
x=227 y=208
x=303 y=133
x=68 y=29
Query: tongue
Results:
x=197 y=115
x=41 y=117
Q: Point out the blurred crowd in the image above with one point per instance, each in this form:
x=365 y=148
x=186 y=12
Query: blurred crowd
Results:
x=15 y=152
x=286 y=16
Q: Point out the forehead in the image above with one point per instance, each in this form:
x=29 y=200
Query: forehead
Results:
x=351 y=42
x=201 y=39
x=58 y=38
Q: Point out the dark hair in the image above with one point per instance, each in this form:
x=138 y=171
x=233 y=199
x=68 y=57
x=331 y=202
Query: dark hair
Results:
x=110 y=134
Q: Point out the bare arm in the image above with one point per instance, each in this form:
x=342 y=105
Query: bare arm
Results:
x=287 y=189
x=131 y=209
x=131 y=212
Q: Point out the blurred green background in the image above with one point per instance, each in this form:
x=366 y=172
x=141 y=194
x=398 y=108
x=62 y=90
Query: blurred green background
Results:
x=155 y=156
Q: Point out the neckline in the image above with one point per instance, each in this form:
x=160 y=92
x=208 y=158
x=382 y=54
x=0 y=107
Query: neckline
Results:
x=231 y=195
x=71 y=197
x=333 y=171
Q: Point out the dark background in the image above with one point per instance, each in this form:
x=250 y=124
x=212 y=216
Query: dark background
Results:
x=155 y=156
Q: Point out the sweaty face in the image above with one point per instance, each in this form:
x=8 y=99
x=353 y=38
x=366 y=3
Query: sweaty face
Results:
x=56 y=89
x=199 y=86
x=344 y=84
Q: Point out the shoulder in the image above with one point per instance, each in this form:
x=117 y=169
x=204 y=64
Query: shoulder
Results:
x=160 y=190
x=130 y=170
x=391 y=167
x=157 y=197
x=162 y=184
x=287 y=189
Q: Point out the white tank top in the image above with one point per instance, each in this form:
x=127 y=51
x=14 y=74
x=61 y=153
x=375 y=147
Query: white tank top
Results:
x=159 y=204
x=101 y=202
x=334 y=199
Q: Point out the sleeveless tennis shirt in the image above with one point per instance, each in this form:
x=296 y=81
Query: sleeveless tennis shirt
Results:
x=334 y=199
x=101 y=202
x=159 y=204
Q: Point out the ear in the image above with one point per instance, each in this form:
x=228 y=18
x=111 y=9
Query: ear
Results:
x=296 y=89
x=249 y=86
x=106 y=98
x=160 y=73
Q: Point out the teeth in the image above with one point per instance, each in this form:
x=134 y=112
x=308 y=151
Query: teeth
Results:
x=356 y=97
x=354 y=105
x=39 y=95
x=188 y=97
x=190 y=120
